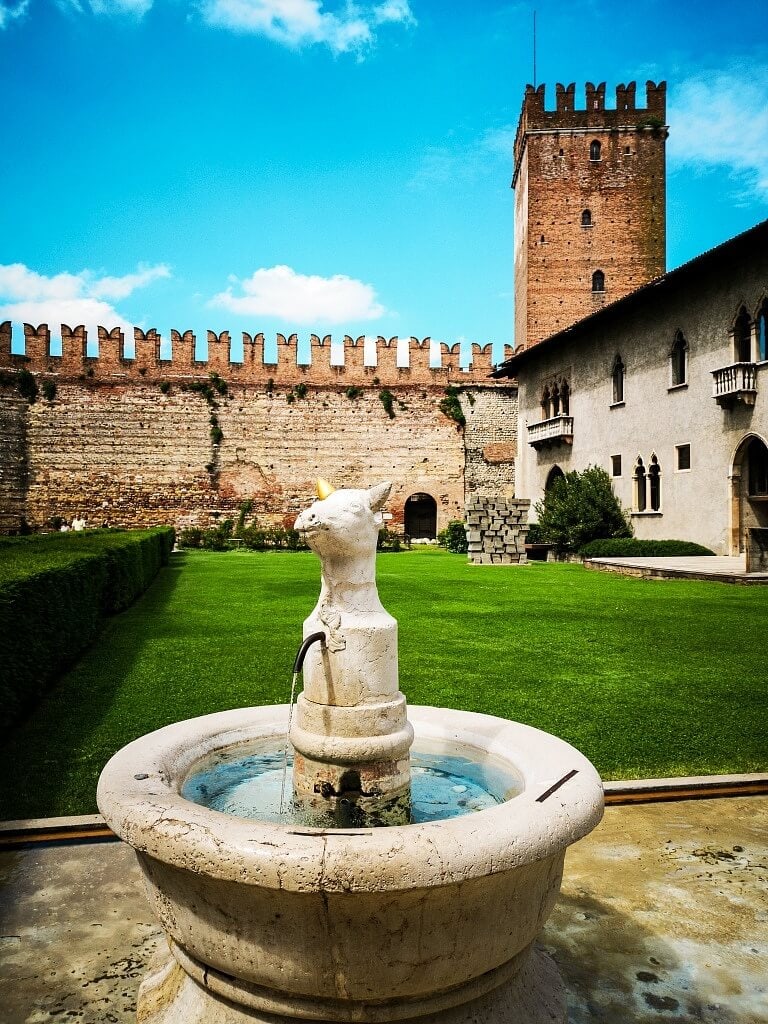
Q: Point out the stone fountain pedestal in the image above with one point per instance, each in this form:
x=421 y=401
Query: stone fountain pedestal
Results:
x=430 y=922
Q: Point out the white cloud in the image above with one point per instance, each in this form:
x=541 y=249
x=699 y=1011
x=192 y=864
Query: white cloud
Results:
x=301 y=298
x=10 y=11
x=29 y=297
x=298 y=23
x=720 y=120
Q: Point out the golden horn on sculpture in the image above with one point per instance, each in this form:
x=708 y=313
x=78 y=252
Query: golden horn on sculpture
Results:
x=323 y=488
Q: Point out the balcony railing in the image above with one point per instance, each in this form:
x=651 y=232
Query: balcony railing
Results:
x=558 y=430
x=735 y=382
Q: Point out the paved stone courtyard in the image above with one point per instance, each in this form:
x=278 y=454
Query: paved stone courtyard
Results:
x=663 y=917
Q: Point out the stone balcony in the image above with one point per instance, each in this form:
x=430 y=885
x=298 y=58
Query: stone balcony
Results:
x=737 y=382
x=557 y=430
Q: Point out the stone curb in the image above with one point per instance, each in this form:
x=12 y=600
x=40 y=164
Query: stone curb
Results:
x=92 y=827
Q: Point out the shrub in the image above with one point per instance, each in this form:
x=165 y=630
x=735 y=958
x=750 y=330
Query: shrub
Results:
x=191 y=537
x=300 y=390
x=629 y=547
x=580 y=507
x=54 y=591
x=454 y=537
x=246 y=507
x=49 y=390
x=165 y=386
x=533 y=534
x=389 y=541
x=353 y=393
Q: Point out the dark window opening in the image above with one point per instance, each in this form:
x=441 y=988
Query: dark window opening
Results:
x=553 y=476
x=594 y=150
x=565 y=398
x=598 y=281
x=679 y=360
x=545 y=404
x=421 y=517
x=586 y=218
x=762 y=332
x=742 y=337
x=683 y=456
x=640 y=498
x=618 y=380
x=757 y=461
x=555 y=400
x=654 y=479
x=616 y=465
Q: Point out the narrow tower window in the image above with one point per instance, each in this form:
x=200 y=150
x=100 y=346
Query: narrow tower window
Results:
x=586 y=218
x=598 y=281
x=679 y=360
x=594 y=150
x=618 y=380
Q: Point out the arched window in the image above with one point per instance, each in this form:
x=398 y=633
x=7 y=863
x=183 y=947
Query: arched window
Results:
x=678 y=360
x=618 y=380
x=555 y=400
x=586 y=218
x=762 y=332
x=639 y=475
x=757 y=468
x=742 y=340
x=553 y=476
x=565 y=398
x=598 y=281
x=654 y=481
x=594 y=150
x=421 y=516
x=546 y=405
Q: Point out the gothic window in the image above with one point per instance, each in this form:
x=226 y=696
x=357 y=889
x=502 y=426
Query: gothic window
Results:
x=742 y=341
x=678 y=360
x=553 y=476
x=594 y=150
x=586 y=218
x=762 y=332
x=598 y=281
x=545 y=404
x=640 y=482
x=565 y=398
x=654 y=481
x=618 y=380
x=757 y=461
x=555 y=400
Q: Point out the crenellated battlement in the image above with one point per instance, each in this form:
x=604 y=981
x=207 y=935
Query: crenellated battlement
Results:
x=594 y=115
x=344 y=364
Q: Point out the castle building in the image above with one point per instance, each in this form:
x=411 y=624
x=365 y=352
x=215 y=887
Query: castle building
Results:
x=589 y=204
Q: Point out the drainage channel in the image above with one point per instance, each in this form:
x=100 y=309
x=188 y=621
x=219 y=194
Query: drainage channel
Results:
x=92 y=828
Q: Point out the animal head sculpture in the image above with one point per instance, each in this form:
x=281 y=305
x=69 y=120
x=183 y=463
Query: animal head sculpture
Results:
x=344 y=522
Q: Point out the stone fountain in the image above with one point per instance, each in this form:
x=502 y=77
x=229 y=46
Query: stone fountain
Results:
x=321 y=914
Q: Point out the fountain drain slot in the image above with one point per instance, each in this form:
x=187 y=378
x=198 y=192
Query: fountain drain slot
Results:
x=553 y=789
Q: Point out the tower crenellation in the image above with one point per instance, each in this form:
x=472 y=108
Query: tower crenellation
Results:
x=590 y=202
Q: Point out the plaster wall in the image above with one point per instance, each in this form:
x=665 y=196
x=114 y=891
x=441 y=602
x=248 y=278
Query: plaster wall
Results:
x=696 y=504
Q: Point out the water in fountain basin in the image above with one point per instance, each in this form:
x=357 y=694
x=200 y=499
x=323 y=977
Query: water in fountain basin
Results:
x=248 y=781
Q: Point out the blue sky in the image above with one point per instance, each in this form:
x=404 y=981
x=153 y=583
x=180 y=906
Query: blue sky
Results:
x=297 y=166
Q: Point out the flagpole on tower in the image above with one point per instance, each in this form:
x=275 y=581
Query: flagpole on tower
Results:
x=534 y=49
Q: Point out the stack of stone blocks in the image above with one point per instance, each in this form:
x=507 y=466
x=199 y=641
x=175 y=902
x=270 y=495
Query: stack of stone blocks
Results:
x=496 y=530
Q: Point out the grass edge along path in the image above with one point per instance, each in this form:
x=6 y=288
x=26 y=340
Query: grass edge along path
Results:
x=647 y=679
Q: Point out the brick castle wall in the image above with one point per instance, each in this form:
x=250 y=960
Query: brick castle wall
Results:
x=115 y=447
x=555 y=181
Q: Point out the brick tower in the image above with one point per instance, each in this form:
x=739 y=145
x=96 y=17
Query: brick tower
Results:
x=589 y=204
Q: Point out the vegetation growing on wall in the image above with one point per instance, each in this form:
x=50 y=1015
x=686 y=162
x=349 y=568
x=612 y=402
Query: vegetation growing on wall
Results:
x=49 y=390
x=450 y=406
x=26 y=385
x=387 y=399
x=580 y=507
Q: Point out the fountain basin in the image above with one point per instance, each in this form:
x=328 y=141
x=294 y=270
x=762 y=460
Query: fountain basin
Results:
x=281 y=921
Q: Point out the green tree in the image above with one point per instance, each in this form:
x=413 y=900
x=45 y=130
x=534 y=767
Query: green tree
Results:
x=580 y=507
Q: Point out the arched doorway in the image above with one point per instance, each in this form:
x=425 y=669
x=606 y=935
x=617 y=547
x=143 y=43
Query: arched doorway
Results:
x=749 y=490
x=553 y=476
x=421 y=517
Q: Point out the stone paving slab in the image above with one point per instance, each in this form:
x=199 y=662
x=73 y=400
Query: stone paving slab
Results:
x=719 y=568
x=663 y=917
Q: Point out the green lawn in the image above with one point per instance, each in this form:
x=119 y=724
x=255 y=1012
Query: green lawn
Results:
x=648 y=679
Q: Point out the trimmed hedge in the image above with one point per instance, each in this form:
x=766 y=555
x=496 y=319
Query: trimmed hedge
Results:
x=629 y=547
x=54 y=591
